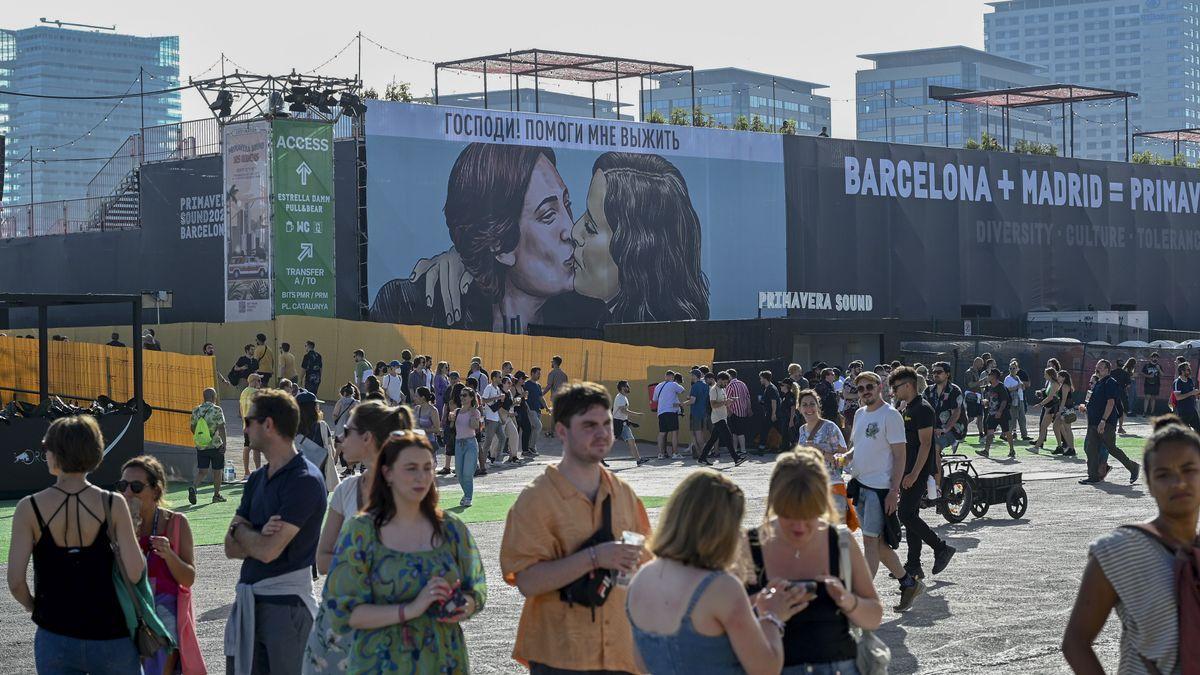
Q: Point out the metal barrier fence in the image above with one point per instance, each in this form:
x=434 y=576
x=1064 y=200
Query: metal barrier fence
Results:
x=65 y=217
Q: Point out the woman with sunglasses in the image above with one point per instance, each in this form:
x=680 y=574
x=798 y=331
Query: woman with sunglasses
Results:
x=826 y=436
x=166 y=539
x=366 y=432
x=405 y=573
x=66 y=529
x=467 y=420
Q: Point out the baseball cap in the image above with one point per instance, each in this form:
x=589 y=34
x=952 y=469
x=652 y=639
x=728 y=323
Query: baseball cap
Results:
x=394 y=363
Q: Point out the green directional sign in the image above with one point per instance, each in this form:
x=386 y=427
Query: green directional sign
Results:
x=302 y=207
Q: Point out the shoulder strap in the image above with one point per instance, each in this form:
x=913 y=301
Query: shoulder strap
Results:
x=845 y=564
x=37 y=513
x=606 y=514
x=1155 y=536
x=700 y=588
x=756 y=554
x=834 y=552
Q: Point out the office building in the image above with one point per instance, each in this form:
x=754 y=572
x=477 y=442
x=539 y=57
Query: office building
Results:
x=530 y=100
x=728 y=93
x=58 y=61
x=893 y=101
x=1149 y=47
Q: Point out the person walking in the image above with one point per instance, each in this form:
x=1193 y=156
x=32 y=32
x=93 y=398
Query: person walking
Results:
x=622 y=431
x=362 y=369
x=253 y=386
x=699 y=422
x=467 y=421
x=768 y=404
x=1103 y=408
x=1151 y=385
x=718 y=400
x=1185 y=396
x=849 y=394
x=949 y=405
x=1065 y=415
x=688 y=612
x=274 y=534
x=441 y=383
x=800 y=540
x=508 y=421
x=1139 y=569
x=492 y=397
x=405 y=574
x=1047 y=398
x=314 y=439
x=165 y=538
x=81 y=627
x=449 y=435
x=328 y=649
x=1016 y=392
x=394 y=384
x=521 y=412
x=824 y=435
x=265 y=358
x=415 y=378
x=287 y=363
x=666 y=397
x=208 y=437
x=557 y=378
x=999 y=415
x=740 y=411
x=244 y=367
x=428 y=418
x=564 y=535
x=312 y=364
x=1124 y=377
x=919 y=422
x=536 y=402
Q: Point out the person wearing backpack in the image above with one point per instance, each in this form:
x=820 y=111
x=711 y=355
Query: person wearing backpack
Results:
x=1149 y=572
x=208 y=435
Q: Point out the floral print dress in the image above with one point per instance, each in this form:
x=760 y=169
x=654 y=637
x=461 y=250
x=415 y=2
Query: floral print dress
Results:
x=365 y=571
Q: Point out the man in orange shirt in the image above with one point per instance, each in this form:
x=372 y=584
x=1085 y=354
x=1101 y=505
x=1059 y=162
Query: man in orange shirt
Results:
x=543 y=550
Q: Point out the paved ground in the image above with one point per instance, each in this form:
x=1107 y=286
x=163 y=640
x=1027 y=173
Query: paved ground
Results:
x=1000 y=607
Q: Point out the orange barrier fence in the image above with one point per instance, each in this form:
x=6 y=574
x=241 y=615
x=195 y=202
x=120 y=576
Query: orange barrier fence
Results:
x=81 y=371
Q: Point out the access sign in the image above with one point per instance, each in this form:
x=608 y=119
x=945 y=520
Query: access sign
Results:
x=302 y=203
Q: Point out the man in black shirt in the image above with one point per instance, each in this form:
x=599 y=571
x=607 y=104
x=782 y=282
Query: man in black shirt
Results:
x=947 y=401
x=1103 y=410
x=1151 y=381
x=116 y=341
x=769 y=399
x=826 y=394
x=999 y=414
x=312 y=365
x=919 y=419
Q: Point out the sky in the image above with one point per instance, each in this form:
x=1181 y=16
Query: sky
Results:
x=813 y=41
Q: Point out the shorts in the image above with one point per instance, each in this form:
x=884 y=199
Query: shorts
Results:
x=990 y=423
x=622 y=431
x=668 y=421
x=870 y=513
x=738 y=425
x=700 y=423
x=213 y=458
x=944 y=441
x=1152 y=391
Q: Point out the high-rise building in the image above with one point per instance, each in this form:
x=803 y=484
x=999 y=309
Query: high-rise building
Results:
x=528 y=100
x=53 y=61
x=728 y=93
x=893 y=101
x=1149 y=47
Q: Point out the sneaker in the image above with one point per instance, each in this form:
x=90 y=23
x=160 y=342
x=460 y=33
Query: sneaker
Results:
x=513 y=460
x=915 y=571
x=464 y=502
x=1088 y=481
x=982 y=453
x=908 y=594
x=1058 y=451
x=642 y=461
x=741 y=460
x=480 y=472
x=1012 y=454
x=1069 y=452
x=192 y=495
x=444 y=471
x=1133 y=474
x=1104 y=475
x=942 y=558
x=219 y=498
x=706 y=462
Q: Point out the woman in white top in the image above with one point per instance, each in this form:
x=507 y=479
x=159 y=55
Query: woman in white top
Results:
x=621 y=429
x=824 y=435
x=347 y=399
x=370 y=424
x=1133 y=568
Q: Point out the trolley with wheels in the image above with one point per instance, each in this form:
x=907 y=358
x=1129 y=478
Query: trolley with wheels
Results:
x=965 y=491
x=999 y=488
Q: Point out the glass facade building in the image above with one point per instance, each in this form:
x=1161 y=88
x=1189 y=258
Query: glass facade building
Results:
x=58 y=61
x=1149 y=47
x=727 y=93
x=893 y=104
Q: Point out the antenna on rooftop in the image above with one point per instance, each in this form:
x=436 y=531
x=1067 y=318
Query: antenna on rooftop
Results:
x=60 y=24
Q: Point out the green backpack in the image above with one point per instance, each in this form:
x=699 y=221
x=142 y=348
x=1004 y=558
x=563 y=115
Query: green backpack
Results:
x=202 y=436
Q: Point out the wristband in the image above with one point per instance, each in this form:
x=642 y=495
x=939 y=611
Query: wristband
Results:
x=773 y=620
x=851 y=610
x=592 y=555
x=401 y=613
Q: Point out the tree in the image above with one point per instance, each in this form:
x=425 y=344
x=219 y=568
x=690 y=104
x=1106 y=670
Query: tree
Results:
x=703 y=119
x=655 y=117
x=371 y=94
x=741 y=123
x=679 y=117
x=757 y=124
x=398 y=91
x=788 y=128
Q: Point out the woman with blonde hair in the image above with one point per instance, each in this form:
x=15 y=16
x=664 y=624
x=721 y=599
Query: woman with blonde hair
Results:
x=799 y=540
x=688 y=612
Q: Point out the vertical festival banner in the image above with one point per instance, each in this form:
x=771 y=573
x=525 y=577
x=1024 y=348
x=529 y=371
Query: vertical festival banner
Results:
x=246 y=159
x=302 y=204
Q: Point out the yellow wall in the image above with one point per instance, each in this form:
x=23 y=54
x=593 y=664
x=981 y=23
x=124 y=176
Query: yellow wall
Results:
x=336 y=339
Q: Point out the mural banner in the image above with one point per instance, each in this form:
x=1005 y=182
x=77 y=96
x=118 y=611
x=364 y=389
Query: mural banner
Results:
x=246 y=153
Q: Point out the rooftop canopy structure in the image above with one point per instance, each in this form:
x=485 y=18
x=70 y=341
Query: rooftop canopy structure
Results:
x=1176 y=136
x=1065 y=95
x=568 y=66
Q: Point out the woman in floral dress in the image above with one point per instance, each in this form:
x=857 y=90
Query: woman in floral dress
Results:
x=405 y=573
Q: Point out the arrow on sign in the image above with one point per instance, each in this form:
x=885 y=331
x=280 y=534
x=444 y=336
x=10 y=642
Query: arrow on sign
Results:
x=303 y=171
x=305 y=252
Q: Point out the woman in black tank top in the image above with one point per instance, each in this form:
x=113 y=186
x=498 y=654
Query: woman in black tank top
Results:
x=799 y=542
x=65 y=529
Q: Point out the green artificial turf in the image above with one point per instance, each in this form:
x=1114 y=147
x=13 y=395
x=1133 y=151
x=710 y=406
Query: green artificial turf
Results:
x=1132 y=445
x=209 y=520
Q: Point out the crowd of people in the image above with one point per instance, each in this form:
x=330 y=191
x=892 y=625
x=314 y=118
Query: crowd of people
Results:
x=356 y=500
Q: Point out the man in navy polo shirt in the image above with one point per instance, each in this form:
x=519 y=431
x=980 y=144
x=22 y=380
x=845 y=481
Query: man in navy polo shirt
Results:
x=1103 y=410
x=275 y=533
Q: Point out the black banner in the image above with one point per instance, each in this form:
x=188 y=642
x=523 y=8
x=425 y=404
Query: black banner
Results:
x=25 y=462
x=926 y=233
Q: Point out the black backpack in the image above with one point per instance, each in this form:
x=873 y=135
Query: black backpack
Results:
x=591 y=590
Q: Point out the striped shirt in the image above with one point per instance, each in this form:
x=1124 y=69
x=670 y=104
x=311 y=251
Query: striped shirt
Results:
x=1142 y=573
x=739 y=395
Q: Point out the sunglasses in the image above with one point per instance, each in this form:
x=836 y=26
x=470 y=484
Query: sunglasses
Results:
x=865 y=387
x=136 y=485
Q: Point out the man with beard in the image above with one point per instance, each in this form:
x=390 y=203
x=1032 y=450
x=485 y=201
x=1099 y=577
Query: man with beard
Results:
x=947 y=401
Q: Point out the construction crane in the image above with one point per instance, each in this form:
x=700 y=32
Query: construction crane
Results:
x=60 y=24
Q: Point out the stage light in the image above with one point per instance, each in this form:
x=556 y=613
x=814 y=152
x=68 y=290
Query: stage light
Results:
x=326 y=100
x=297 y=97
x=223 y=104
x=352 y=105
x=276 y=105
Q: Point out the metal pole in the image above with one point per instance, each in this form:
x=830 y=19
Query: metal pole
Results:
x=537 y=99
x=435 y=86
x=137 y=357
x=1128 y=149
x=593 y=100
x=617 y=82
x=485 y=101
x=518 y=88
x=43 y=353
x=1072 y=107
x=1064 y=128
x=946 y=120
x=692 y=72
x=358 y=71
x=142 y=111
x=887 y=127
x=31 y=181
x=772 y=104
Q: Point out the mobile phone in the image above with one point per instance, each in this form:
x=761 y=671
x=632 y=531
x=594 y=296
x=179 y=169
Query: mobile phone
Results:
x=808 y=585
